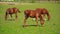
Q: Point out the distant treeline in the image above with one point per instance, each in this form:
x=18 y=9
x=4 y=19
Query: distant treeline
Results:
x=31 y=1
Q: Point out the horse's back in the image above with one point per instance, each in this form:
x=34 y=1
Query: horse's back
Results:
x=42 y=10
x=30 y=13
x=15 y=9
x=9 y=10
x=12 y=10
x=38 y=10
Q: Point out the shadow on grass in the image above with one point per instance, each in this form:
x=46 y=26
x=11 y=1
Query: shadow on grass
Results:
x=30 y=25
x=10 y=19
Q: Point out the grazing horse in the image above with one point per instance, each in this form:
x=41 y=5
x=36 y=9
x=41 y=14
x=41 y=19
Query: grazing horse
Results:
x=44 y=12
x=33 y=14
x=11 y=11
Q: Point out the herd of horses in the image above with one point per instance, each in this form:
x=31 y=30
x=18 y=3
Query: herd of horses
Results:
x=37 y=13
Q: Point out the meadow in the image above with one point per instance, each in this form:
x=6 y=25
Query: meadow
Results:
x=16 y=26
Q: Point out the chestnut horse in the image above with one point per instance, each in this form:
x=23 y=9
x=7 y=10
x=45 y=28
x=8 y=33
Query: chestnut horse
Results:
x=33 y=14
x=44 y=12
x=11 y=11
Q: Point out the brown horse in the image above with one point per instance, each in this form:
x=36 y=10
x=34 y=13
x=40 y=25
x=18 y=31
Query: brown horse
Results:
x=44 y=12
x=33 y=14
x=11 y=11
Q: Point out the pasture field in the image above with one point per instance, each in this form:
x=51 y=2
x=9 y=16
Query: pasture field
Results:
x=12 y=26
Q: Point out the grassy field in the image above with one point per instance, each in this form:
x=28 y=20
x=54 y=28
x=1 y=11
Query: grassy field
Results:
x=16 y=26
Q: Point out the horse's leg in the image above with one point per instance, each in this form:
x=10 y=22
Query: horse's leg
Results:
x=16 y=15
x=41 y=20
x=11 y=15
x=37 y=19
x=26 y=17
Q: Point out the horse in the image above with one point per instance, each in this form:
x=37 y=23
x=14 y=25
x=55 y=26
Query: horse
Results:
x=33 y=14
x=44 y=12
x=11 y=11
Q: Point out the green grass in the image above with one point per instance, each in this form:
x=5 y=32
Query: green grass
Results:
x=16 y=26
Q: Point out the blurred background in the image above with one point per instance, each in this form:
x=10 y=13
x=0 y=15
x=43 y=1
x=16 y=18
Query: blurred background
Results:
x=30 y=1
x=13 y=26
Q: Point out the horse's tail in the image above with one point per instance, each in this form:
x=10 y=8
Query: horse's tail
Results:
x=5 y=15
x=24 y=12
